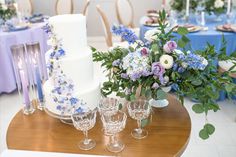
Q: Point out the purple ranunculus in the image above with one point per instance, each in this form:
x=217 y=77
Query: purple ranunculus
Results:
x=170 y=46
x=155 y=85
x=144 y=51
x=157 y=69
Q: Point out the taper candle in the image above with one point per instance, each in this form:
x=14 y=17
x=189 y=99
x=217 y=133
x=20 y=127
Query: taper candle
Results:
x=25 y=89
x=187 y=8
x=229 y=7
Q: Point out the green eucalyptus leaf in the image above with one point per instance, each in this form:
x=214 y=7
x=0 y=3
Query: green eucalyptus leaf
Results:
x=182 y=31
x=148 y=93
x=161 y=94
x=203 y=134
x=198 y=108
x=209 y=128
x=229 y=87
x=181 y=43
x=197 y=82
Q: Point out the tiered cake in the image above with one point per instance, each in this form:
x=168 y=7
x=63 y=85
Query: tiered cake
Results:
x=77 y=63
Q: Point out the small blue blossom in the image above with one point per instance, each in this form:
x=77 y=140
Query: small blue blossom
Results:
x=125 y=33
x=116 y=63
x=73 y=101
x=59 y=107
x=79 y=110
x=181 y=70
x=175 y=67
x=175 y=87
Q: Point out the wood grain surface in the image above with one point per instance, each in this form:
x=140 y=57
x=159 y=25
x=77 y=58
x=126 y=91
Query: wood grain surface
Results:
x=169 y=134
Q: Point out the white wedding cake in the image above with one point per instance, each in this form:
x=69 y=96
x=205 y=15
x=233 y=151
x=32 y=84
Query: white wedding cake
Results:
x=77 y=63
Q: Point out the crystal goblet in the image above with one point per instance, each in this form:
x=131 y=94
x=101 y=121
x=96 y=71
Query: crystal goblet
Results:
x=114 y=124
x=139 y=110
x=85 y=121
x=108 y=106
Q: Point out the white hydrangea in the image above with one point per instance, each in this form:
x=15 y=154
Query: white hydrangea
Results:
x=166 y=61
x=135 y=63
x=151 y=35
x=204 y=62
x=219 y=4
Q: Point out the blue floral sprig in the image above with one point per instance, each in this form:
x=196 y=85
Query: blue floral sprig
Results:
x=125 y=33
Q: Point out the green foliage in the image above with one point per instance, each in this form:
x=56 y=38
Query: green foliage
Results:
x=180 y=5
x=207 y=130
x=209 y=7
x=7 y=13
x=203 y=86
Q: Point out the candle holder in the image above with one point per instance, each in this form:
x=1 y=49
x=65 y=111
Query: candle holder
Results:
x=23 y=79
x=34 y=53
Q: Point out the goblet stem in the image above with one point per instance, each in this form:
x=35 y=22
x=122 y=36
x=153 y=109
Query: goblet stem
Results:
x=86 y=140
x=139 y=130
x=113 y=140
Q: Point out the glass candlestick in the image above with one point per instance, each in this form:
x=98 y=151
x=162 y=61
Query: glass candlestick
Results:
x=33 y=50
x=22 y=78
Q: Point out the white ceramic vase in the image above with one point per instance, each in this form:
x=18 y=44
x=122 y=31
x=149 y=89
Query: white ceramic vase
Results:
x=160 y=103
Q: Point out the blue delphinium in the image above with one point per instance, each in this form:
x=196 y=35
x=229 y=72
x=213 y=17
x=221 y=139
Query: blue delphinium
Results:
x=193 y=61
x=125 y=33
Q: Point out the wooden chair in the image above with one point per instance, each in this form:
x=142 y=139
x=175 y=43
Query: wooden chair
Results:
x=106 y=26
x=107 y=30
x=125 y=14
x=25 y=7
x=85 y=10
x=64 y=7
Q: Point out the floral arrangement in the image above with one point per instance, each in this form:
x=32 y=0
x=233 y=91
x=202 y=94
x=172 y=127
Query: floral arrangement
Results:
x=143 y=69
x=7 y=11
x=63 y=91
x=215 y=6
x=180 y=5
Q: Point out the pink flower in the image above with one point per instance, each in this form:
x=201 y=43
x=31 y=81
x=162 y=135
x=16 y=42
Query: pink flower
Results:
x=170 y=46
x=144 y=52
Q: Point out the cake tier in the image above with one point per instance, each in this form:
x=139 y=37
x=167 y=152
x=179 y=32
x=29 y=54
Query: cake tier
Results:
x=79 y=68
x=91 y=95
x=71 y=30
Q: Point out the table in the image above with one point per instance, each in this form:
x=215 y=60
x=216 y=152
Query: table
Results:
x=169 y=134
x=199 y=40
x=7 y=39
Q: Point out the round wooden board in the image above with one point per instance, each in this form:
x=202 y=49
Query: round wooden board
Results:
x=168 y=135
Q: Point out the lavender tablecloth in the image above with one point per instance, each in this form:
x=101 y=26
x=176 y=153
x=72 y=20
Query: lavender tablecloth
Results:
x=7 y=39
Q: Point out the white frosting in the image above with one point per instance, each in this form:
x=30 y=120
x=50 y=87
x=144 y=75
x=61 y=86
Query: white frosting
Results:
x=77 y=63
x=71 y=30
x=91 y=95
x=79 y=68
